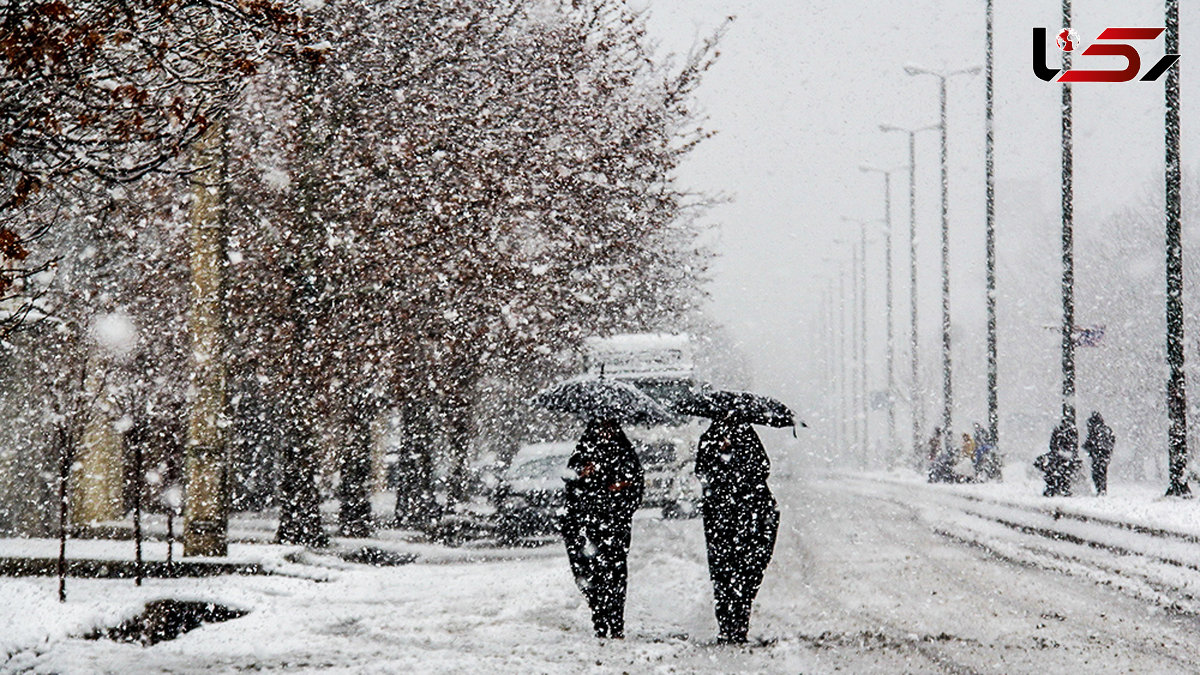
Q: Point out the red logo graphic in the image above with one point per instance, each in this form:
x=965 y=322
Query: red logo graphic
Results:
x=1066 y=40
x=1117 y=40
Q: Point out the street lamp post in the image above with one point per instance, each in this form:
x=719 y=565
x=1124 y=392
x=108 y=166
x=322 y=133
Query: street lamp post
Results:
x=891 y=345
x=832 y=433
x=1068 y=251
x=947 y=382
x=833 y=363
x=864 y=413
x=990 y=171
x=860 y=297
x=1177 y=382
x=846 y=324
x=917 y=407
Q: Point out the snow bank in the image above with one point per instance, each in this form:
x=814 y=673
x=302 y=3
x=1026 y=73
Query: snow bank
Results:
x=41 y=620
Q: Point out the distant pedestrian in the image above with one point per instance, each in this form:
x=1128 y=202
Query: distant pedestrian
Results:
x=968 y=448
x=740 y=520
x=987 y=463
x=1099 y=446
x=938 y=467
x=966 y=461
x=1060 y=463
x=934 y=444
x=941 y=459
x=601 y=497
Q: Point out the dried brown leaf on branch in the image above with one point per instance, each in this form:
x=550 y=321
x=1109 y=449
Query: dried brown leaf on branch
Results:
x=10 y=245
x=102 y=92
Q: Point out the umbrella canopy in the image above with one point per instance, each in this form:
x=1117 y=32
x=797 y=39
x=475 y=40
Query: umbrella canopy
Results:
x=739 y=406
x=599 y=399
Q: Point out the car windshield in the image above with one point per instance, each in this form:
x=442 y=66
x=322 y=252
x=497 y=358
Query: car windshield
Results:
x=652 y=454
x=667 y=391
x=540 y=467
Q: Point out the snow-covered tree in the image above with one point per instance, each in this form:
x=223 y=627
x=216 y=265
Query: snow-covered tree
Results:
x=107 y=91
x=427 y=208
x=461 y=189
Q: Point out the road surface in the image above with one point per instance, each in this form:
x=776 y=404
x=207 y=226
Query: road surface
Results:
x=862 y=582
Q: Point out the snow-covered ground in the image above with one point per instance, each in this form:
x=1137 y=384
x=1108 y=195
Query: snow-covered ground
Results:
x=878 y=573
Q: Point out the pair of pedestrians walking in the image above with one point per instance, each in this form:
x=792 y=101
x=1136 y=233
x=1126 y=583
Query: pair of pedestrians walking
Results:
x=1061 y=462
x=740 y=520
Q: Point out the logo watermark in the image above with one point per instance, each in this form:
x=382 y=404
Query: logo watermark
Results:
x=1111 y=42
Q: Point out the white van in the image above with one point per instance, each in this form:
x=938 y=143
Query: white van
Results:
x=661 y=365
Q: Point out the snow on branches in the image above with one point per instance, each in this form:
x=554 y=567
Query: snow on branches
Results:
x=105 y=91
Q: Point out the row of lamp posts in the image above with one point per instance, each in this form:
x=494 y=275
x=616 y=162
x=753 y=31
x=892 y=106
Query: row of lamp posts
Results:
x=947 y=382
x=1176 y=384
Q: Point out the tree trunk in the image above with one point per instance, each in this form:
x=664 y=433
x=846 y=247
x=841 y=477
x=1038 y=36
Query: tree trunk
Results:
x=459 y=435
x=299 y=500
x=354 y=517
x=97 y=476
x=206 y=504
x=415 y=505
x=300 y=516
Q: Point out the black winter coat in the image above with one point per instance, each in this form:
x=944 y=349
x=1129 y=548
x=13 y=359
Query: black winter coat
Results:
x=607 y=477
x=1060 y=462
x=1100 y=440
x=731 y=459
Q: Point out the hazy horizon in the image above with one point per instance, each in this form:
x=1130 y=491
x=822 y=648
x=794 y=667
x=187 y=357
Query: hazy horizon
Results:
x=796 y=99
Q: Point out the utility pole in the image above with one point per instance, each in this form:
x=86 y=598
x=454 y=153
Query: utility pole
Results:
x=1068 y=251
x=1177 y=382
x=206 y=507
x=990 y=170
x=859 y=301
x=891 y=343
x=844 y=378
x=856 y=399
x=829 y=352
x=947 y=380
x=917 y=406
x=862 y=347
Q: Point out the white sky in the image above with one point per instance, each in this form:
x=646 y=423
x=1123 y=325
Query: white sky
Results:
x=797 y=97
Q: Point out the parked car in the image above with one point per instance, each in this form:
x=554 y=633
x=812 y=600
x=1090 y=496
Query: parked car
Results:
x=530 y=494
x=667 y=455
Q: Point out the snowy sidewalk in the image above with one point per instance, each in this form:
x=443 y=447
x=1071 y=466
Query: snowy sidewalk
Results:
x=870 y=575
x=97 y=558
x=513 y=611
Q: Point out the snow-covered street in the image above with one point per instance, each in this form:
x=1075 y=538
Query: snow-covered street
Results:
x=497 y=336
x=881 y=591
x=869 y=575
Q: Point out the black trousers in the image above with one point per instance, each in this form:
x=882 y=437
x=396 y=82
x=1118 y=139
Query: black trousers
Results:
x=1100 y=475
x=598 y=548
x=740 y=532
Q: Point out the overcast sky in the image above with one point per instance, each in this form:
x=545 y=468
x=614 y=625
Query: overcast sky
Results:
x=797 y=96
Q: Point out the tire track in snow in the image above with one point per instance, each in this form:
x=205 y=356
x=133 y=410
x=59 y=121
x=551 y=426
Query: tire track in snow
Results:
x=1051 y=550
x=887 y=633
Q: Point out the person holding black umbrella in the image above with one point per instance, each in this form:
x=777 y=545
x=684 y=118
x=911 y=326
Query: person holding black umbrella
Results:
x=739 y=512
x=604 y=490
x=740 y=520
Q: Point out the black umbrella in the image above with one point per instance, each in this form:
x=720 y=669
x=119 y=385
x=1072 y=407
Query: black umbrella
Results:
x=600 y=399
x=739 y=406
